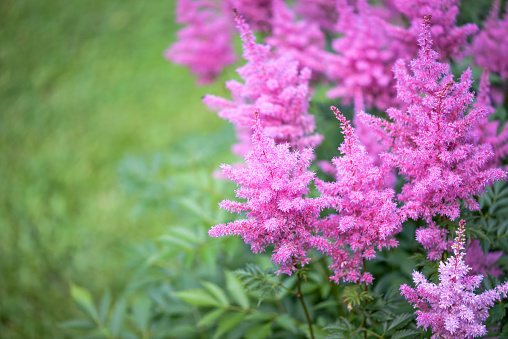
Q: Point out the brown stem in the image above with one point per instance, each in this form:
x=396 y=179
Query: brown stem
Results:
x=300 y=296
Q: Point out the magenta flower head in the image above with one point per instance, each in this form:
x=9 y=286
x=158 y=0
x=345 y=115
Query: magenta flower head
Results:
x=364 y=60
x=274 y=183
x=301 y=40
x=273 y=86
x=482 y=263
x=258 y=13
x=490 y=46
x=450 y=40
x=204 y=45
x=322 y=12
x=451 y=308
x=432 y=143
x=487 y=131
x=367 y=218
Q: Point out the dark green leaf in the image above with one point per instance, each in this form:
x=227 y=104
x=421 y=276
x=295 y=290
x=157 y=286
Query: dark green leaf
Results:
x=498 y=312
x=404 y=334
x=400 y=320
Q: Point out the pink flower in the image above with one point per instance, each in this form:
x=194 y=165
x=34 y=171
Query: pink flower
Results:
x=367 y=218
x=451 y=308
x=322 y=12
x=482 y=262
x=364 y=60
x=486 y=131
x=257 y=13
x=205 y=43
x=274 y=183
x=450 y=40
x=431 y=140
x=301 y=40
x=490 y=46
x=275 y=88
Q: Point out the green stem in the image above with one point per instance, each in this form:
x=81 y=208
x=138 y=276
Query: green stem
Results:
x=364 y=301
x=300 y=296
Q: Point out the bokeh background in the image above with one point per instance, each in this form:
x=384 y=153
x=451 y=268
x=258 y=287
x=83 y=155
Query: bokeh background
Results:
x=84 y=89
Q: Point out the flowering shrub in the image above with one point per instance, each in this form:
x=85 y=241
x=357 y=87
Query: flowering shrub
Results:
x=428 y=152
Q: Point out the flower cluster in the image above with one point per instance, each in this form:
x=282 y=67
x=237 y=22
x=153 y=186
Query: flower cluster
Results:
x=364 y=59
x=436 y=144
x=487 y=131
x=276 y=88
x=302 y=41
x=490 y=46
x=204 y=44
x=274 y=182
x=367 y=218
x=450 y=40
x=451 y=308
x=431 y=140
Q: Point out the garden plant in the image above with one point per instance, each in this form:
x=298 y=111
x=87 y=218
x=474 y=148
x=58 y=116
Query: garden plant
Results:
x=367 y=194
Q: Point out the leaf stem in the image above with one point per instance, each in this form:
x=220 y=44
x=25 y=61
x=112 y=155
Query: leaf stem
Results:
x=300 y=296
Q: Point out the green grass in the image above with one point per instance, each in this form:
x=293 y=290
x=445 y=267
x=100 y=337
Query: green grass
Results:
x=82 y=84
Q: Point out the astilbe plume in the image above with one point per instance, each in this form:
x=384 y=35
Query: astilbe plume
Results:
x=276 y=88
x=204 y=44
x=362 y=65
x=367 y=218
x=274 y=183
x=481 y=262
x=300 y=40
x=451 y=308
x=450 y=40
x=487 y=131
x=490 y=46
x=322 y=12
x=257 y=13
x=431 y=141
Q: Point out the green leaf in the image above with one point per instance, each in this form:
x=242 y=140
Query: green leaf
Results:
x=502 y=228
x=117 y=317
x=196 y=297
x=236 y=289
x=217 y=292
x=181 y=237
x=286 y=322
x=498 y=312
x=84 y=301
x=104 y=306
x=195 y=208
x=211 y=317
x=78 y=324
x=400 y=320
x=259 y=331
x=228 y=323
x=404 y=334
x=141 y=313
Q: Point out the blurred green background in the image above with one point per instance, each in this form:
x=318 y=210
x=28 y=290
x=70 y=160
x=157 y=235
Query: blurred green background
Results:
x=82 y=84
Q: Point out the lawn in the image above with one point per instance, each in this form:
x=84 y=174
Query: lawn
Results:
x=83 y=84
